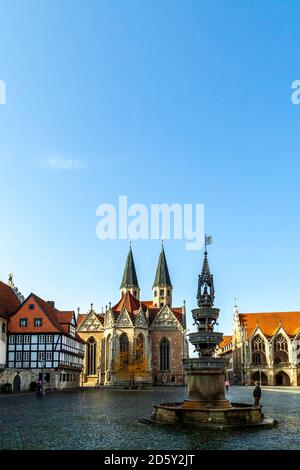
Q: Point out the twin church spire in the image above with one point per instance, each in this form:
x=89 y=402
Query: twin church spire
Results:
x=162 y=286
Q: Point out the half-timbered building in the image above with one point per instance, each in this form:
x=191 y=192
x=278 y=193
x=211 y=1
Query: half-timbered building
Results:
x=42 y=343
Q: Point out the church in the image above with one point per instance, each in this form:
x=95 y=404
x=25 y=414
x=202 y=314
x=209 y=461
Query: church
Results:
x=135 y=342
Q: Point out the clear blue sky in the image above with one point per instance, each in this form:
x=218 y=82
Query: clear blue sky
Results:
x=164 y=101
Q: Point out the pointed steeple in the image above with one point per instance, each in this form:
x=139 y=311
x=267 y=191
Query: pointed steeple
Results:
x=162 y=276
x=206 y=291
x=129 y=280
x=162 y=286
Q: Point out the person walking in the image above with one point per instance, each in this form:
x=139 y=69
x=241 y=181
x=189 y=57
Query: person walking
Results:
x=257 y=394
x=38 y=388
x=226 y=383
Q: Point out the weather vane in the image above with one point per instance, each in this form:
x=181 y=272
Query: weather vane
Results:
x=208 y=240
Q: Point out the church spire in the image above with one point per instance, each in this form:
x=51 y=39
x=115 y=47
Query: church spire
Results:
x=162 y=286
x=206 y=291
x=162 y=276
x=129 y=280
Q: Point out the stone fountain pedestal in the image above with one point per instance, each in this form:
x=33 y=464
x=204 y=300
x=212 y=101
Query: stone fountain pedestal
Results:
x=206 y=405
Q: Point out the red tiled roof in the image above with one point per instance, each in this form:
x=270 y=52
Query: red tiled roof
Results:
x=269 y=322
x=130 y=303
x=133 y=306
x=9 y=302
x=60 y=319
x=80 y=319
x=63 y=317
x=225 y=341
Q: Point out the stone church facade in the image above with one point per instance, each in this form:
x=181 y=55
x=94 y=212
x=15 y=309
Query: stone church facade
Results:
x=136 y=340
x=265 y=347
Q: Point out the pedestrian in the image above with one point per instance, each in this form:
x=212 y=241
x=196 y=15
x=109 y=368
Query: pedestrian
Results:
x=226 y=383
x=38 y=388
x=257 y=394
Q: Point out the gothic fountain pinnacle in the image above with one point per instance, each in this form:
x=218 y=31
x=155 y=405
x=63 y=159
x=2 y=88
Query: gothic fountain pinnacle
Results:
x=206 y=405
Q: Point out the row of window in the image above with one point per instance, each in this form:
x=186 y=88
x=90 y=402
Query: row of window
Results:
x=19 y=339
x=31 y=364
x=25 y=356
x=67 y=377
x=23 y=322
x=161 y=293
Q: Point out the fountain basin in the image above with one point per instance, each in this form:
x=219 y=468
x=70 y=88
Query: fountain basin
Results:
x=238 y=415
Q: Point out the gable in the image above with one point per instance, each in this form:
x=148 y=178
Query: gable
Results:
x=91 y=323
x=109 y=320
x=124 y=320
x=140 y=320
x=166 y=320
x=24 y=311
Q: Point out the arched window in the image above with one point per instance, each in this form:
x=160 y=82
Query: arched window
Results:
x=280 y=343
x=91 y=356
x=139 y=347
x=168 y=292
x=124 y=350
x=155 y=293
x=280 y=349
x=258 y=350
x=161 y=293
x=3 y=327
x=124 y=345
x=164 y=350
x=108 y=351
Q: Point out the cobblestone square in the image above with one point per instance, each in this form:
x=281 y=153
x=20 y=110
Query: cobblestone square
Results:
x=109 y=419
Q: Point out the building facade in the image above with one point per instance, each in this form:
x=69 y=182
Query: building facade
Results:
x=10 y=300
x=265 y=347
x=134 y=340
x=42 y=344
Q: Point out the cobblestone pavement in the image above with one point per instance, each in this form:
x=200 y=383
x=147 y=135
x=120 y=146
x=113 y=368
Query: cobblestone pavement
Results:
x=109 y=419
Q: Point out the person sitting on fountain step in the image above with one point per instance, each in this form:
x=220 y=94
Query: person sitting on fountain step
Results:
x=257 y=394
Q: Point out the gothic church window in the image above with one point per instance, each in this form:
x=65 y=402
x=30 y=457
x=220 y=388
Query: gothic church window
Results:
x=124 y=346
x=124 y=349
x=139 y=347
x=164 y=350
x=91 y=356
x=108 y=351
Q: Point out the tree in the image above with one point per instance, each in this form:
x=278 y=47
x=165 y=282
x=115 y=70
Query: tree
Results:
x=129 y=367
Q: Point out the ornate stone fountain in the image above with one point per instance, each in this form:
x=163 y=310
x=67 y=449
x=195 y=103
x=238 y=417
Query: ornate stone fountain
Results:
x=206 y=405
